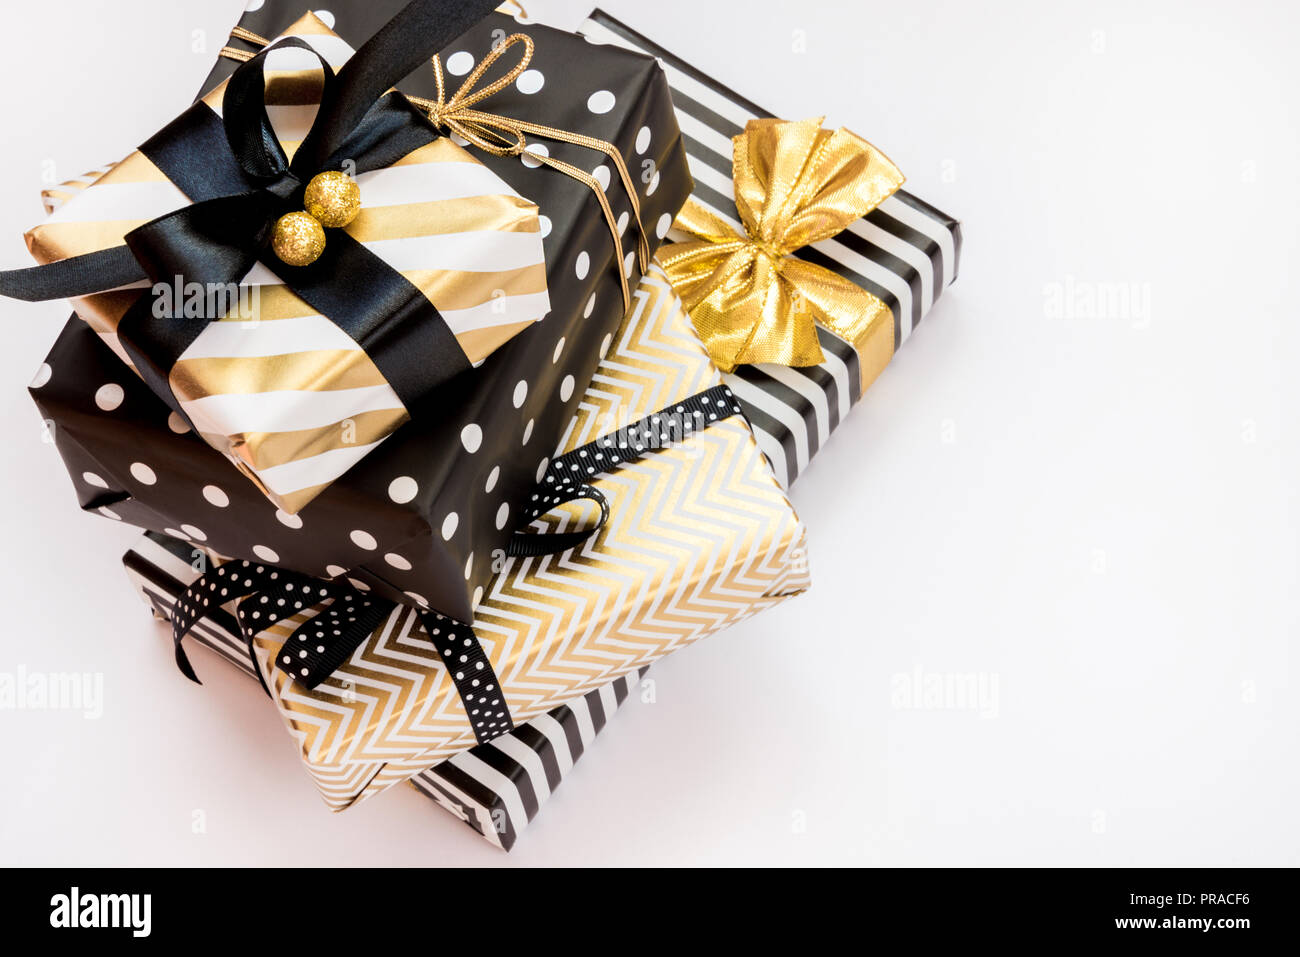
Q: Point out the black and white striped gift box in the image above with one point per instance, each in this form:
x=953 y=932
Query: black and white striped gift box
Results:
x=498 y=787
x=905 y=252
x=495 y=788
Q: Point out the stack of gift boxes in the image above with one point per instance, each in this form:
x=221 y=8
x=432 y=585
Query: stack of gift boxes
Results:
x=509 y=373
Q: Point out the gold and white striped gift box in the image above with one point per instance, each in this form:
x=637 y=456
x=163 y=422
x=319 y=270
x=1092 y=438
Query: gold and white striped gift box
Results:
x=289 y=397
x=55 y=196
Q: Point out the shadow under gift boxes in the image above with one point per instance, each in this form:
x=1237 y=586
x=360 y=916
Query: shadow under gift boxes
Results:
x=426 y=517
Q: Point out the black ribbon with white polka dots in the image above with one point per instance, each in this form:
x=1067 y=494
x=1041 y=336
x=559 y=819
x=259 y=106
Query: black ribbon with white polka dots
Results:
x=267 y=595
x=567 y=478
x=318 y=646
x=472 y=673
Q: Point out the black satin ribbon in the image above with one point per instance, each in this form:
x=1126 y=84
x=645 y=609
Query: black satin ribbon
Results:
x=240 y=181
x=72 y=277
x=268 y=594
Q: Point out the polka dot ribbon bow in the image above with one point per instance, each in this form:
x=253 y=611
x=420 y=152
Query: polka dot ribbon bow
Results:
x=267 y=595
x=345 y=617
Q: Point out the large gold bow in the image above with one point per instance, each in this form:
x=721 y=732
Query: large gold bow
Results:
x=751 y=301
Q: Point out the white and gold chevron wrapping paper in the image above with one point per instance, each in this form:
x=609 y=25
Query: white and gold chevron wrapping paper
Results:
x=700 y=536
x=289 y=397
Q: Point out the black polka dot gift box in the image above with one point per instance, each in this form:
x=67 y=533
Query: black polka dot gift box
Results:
x=681 y=530
x=496 y=788
x=427 y=515
x=903 y=253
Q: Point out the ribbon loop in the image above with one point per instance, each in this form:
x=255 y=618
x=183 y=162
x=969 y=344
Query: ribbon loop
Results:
x=466 y=96
x=396 y=50
x=247 y=123
x=750 y=299
x=266 y=595
x=217 y=237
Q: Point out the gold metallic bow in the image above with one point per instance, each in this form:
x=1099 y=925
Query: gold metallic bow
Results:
x=505 y=135
x=751 y=301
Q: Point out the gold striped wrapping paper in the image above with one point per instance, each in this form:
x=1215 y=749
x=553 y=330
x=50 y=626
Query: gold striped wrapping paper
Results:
x=55 y=196
x=290 y=398
x=700 y=537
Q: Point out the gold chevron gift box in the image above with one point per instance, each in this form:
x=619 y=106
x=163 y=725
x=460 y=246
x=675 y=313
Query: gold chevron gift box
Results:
x=288 y=396
x=700 y=536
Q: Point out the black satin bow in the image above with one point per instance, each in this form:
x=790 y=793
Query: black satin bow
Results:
x=240 y=188
x=239 y=181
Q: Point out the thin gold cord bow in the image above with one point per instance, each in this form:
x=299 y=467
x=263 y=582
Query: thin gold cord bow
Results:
x=750 y=300
x=504 y=135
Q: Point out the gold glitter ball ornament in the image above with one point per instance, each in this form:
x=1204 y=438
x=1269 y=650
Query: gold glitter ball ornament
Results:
x=298 y=239
x=333 y=198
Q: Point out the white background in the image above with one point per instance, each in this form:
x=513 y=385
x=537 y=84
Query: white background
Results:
x=1098 y=512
